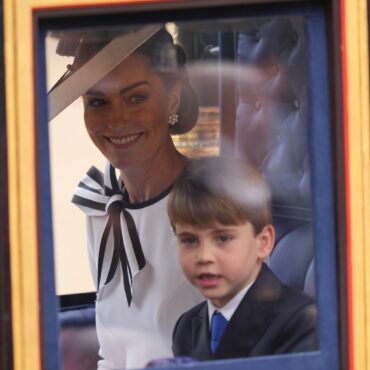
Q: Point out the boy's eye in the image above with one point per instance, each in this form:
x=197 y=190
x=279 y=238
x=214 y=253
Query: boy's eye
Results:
x=187 y=240
x=223 y=238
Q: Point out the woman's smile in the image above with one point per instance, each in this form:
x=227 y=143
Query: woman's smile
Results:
x=123 y=140
x=128 y=111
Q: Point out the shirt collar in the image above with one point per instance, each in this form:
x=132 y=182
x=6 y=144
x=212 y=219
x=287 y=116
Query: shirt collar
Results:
x=228 y=310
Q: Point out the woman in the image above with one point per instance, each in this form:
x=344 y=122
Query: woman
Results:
x=129 y=115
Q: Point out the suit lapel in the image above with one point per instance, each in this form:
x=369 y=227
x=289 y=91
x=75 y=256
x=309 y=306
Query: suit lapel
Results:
x=252 y=317
x=200 y=335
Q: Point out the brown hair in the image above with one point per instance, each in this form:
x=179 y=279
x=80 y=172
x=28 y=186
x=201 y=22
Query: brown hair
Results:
x=220 y=190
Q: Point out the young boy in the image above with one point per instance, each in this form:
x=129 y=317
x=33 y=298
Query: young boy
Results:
x=220 y=210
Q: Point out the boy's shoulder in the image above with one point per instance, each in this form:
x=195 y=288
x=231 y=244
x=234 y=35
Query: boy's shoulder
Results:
x=288 y=301
x=184 y=324
x=199 y=310
x=296 y=296
x=268 y=282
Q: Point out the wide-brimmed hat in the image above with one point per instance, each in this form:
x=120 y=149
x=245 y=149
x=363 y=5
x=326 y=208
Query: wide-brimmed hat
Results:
x=97 y=53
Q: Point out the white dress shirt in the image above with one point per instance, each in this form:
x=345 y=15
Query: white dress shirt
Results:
x=228 y=310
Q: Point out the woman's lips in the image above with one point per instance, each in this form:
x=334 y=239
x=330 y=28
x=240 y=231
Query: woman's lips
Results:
x=122 y=140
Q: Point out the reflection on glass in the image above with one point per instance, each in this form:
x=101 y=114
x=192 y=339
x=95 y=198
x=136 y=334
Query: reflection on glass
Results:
x=137 y=88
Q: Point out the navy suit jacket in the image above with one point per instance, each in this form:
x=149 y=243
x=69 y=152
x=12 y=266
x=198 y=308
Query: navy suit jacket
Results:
x=272 y=318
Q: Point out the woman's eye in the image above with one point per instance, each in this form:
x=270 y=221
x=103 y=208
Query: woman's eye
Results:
x=137 y=98
x=95 y=102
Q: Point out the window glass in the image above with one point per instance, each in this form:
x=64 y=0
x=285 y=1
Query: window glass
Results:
x=253 y=80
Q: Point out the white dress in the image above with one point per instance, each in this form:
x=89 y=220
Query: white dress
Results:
x=131 y=336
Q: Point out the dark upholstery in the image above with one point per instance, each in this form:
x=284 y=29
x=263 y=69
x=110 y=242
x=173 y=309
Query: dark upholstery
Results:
x=78 y=317
x=78 y=340
x=271 y=133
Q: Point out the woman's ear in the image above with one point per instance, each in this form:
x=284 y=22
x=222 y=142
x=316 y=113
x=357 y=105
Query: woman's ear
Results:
x=174 y=98
x=266 y=241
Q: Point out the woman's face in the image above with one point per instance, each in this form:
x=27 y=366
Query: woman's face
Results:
x=126 y=113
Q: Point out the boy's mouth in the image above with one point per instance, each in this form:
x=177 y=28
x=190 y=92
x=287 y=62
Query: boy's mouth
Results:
x=208 y=276
x=208 y=280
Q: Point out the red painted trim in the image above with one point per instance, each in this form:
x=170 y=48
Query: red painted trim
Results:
x=347 y=183
x=95 y=5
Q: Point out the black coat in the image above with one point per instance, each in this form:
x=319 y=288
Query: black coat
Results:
x=272 y=318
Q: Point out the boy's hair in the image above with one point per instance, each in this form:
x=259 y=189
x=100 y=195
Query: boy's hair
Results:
x=220 y=190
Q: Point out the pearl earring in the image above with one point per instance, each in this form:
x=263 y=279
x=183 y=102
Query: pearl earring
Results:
x=172 y=119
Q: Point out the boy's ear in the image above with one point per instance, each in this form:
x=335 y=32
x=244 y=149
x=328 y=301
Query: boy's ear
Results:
x=174 y=98
x=266 y=241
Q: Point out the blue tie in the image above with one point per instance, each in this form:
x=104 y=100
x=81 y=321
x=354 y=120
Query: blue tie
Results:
x=218 y=325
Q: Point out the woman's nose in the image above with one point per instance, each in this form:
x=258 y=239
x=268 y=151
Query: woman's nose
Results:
x=117 y=116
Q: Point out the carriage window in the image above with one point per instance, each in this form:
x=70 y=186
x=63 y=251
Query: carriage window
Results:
x=242 y=86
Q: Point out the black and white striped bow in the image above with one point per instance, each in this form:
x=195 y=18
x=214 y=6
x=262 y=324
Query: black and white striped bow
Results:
x=100 y=195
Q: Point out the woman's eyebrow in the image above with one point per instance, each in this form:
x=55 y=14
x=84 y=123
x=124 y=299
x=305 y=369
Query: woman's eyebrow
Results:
x=96 y=92
x=130 y=87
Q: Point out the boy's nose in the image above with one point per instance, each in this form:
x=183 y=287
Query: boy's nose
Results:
x=205 y=254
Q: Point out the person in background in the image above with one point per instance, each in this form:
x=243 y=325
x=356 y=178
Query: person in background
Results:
x=130 y=115
x=220 y=210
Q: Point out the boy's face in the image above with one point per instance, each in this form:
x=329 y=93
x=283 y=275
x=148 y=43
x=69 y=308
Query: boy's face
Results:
x=222 y=260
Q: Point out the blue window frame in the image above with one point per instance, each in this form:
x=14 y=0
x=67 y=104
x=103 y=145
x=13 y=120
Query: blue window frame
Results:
x=321 y=162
